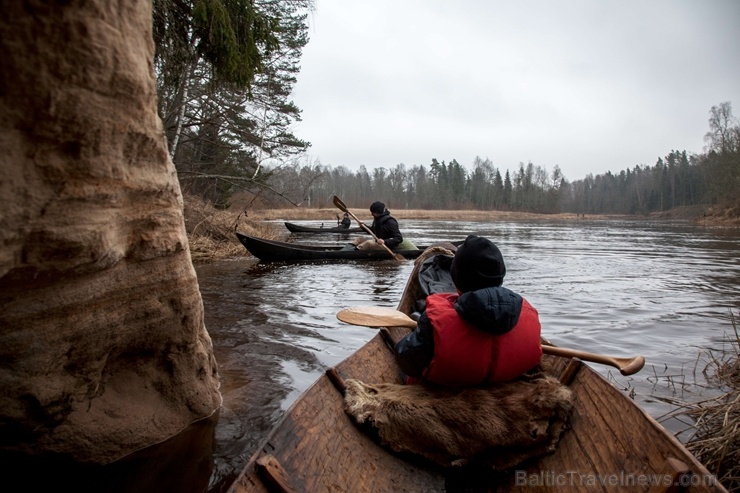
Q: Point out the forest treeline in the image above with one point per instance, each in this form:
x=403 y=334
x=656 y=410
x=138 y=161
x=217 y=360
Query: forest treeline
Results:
x=225 y=73
x=675 y=180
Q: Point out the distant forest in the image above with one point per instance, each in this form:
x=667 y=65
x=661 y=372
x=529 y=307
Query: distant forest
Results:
x=225 y=73
x=678 y=179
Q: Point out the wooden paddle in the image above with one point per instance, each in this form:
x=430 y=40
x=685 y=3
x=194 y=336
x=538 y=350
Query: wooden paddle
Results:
x=342 y=207
x=376 y=316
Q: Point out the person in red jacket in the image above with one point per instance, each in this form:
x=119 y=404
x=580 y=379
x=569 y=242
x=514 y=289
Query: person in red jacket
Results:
x=482 y=334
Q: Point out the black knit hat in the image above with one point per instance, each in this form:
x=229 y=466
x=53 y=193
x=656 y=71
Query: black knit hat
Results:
x=377 y=207
x=477 y=264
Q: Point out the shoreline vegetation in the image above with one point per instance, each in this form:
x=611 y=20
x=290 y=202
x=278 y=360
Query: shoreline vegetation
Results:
x=716 y=421
x=716 y=432
x=211 y=231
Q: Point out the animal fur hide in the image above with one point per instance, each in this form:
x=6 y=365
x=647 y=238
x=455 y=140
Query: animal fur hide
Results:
x=498 y=426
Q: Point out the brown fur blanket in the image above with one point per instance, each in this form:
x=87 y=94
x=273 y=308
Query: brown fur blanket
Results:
x=499 y=426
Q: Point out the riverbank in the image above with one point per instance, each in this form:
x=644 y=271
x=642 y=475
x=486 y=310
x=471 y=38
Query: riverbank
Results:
x=211 y=231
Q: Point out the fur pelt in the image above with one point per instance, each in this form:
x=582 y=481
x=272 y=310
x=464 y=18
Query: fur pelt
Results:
x=499 y=426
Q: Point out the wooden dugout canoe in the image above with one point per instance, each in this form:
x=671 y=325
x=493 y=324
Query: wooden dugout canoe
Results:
x=297 y=228
x=271 y=250
x=613 y=445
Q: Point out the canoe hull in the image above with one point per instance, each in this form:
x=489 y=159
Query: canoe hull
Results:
x=319 y=448
x=297 y=228
x=276 y=251
x=348 y=458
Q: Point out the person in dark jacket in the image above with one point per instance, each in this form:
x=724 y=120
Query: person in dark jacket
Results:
x=385 y=228
x=483 y=334
x=346 y=222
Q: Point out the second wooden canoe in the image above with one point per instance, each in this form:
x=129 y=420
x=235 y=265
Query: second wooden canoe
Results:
x=297 y=228
x=271 y=251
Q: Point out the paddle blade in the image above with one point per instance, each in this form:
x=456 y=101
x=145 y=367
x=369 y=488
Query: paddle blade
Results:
x=375 y=316
x=633 y=366
x=339 y=204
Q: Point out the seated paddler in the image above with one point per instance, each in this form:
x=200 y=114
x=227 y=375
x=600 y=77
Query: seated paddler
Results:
x=386 y=229
x=482 y=334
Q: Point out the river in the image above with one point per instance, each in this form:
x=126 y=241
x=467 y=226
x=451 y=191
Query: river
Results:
x=664 y=290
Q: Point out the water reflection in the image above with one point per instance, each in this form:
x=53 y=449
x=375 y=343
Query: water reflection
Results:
x=184 y=463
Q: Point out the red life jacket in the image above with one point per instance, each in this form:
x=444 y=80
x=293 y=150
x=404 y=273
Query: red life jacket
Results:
x=466 y=356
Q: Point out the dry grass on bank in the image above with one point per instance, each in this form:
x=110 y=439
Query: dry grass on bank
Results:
x=211 y=231
x=724 y=216
x=328 y=215
x=716 y=439
x=727 y=216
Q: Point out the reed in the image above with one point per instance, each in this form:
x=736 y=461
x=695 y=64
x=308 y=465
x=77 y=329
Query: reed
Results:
x=211 y=231
x=716 y=421
x=717 y=439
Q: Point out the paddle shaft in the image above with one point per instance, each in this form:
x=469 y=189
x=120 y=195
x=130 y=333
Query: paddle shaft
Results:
x=387 y=317
x=338 y=202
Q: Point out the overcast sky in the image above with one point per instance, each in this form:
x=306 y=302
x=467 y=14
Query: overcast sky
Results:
x=591 y=86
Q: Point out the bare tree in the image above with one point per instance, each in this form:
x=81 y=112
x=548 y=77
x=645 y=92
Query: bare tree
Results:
x=723 y=129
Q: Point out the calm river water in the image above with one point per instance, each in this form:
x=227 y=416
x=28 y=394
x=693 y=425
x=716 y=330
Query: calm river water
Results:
x=662 y=290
